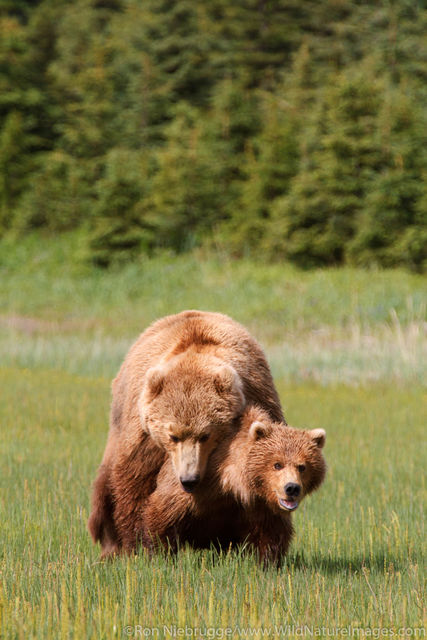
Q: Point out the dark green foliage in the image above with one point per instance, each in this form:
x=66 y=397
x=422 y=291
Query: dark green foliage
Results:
x=12 y=170
x=82 y=81
x=392 y=229
x=288 y=129
x=316 y=218
x=269 y=163
x=187 y=190
x=60 y=196
x=120 y=229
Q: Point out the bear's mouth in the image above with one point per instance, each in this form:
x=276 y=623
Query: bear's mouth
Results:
x=289 y=505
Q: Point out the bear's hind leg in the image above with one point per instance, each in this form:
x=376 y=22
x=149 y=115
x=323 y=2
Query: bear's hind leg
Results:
x=101 y=520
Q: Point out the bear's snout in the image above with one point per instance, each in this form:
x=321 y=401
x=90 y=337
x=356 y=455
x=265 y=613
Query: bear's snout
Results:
x=292 y=489
x=189 y=483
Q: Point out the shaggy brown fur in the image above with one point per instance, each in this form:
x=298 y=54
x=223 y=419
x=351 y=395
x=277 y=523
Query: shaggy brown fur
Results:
x=176 y=398
x=245 y=496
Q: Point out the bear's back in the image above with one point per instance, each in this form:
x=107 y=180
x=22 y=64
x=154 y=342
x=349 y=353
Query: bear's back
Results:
x=203 y=331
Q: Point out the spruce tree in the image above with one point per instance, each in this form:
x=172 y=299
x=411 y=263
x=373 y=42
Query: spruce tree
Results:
x=187 y=196
x=26 y=108
x=392 y=228
x=81 y=81
x=314 y=222
x=269 y=163
x=12 y=166
x=120 y=229
x=61 y=194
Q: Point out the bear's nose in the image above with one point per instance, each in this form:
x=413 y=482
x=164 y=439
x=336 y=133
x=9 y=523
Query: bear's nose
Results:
x=190 y=482
x=292 y=489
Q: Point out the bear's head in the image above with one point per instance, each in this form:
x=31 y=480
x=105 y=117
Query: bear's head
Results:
x=274 y=462
x=188 y=405
x=285 y=464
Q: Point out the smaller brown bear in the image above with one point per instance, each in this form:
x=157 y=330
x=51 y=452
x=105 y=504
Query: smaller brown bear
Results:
x=255 y=481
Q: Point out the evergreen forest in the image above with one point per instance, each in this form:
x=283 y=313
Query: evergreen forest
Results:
x=283 y=129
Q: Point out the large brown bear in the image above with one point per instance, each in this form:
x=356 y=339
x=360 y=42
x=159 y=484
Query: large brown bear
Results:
x=178 y=395
x=255 y=481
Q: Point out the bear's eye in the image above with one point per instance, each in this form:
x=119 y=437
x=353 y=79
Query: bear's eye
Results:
x=301 y=468
x=278 y=466
x=174 y=438
x=204 y=438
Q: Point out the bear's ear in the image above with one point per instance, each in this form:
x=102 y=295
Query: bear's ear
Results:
x=226 y=380
x=318 y=436
x=259 y=430
x=155 y=379
x=153 y=385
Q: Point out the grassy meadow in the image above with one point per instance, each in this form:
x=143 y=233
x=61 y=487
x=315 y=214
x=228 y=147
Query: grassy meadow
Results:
x=348 y=351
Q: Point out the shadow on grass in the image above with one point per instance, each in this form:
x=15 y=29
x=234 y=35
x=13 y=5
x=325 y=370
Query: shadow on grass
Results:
x=215 y=556
x=380 y=561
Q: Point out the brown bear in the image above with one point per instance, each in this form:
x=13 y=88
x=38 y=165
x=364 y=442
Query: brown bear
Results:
x=255 y=480
x=178 y=395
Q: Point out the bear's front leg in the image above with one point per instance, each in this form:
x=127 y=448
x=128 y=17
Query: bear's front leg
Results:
x=270 y=535
x=133 y=479
x=165 y=515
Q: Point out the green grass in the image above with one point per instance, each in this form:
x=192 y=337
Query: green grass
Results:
x=44 y=277
x=358 y=554
x=336 y=325
x=356 y=559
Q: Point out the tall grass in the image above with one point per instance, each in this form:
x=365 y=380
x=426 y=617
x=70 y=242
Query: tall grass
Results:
x=331 y=326
x=356 y=559
x=389 y=352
